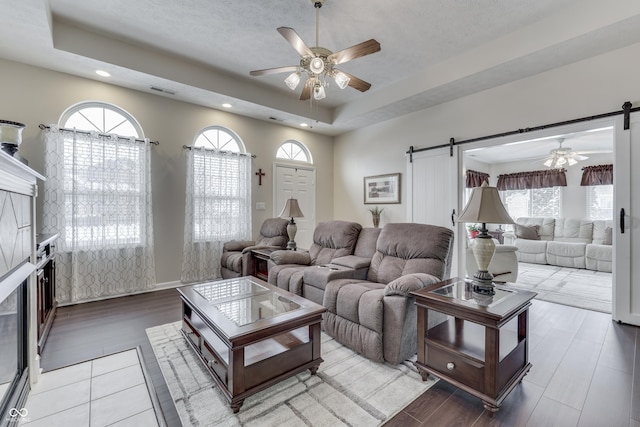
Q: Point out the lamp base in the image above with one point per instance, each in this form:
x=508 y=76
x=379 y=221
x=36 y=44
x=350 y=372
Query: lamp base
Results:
x=292 y=229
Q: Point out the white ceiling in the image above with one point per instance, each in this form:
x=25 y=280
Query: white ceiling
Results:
x=597 y=142
x=433 y=51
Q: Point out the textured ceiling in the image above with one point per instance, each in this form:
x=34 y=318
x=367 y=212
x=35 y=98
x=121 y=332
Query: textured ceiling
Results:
x=433 y=51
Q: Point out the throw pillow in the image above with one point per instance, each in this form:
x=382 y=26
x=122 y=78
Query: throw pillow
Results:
x=529 y=232
x=608 y=236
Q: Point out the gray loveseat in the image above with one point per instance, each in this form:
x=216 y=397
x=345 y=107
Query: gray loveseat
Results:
x=376 y=316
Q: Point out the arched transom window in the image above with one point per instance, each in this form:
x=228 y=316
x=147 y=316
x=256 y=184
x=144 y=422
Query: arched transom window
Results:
x=294 y=150
x=219 y=138
x=101 y=117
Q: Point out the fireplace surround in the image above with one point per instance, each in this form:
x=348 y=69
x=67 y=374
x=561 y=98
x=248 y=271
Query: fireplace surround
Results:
x=19 y=362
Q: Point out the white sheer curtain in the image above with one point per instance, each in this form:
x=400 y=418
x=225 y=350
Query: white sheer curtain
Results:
x=98 y=198
x=218 y=209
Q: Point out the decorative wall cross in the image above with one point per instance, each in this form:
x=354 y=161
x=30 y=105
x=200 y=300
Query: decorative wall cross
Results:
x=260 y=175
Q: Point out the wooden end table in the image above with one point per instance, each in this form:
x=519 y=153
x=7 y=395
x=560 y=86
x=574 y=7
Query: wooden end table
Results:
x=250 y=334
x=478 y=349
x=261 y=262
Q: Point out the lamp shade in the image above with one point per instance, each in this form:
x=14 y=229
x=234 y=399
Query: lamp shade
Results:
x=485 y=206
x=291 y=209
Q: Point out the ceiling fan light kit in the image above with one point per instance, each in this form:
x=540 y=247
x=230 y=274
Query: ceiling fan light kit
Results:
x=318 y=63
x=561 y=156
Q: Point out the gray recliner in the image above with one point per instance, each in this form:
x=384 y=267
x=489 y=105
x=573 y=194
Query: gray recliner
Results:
x=377 y=316
x=236 y=257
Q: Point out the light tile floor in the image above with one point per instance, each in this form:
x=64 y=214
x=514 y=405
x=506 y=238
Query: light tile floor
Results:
x=108 y=391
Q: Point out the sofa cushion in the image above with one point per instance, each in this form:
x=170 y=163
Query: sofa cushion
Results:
x=366 y=245
x=405 y=248
x=600 y=230
x=333 y=239
x=566 y=254
x=529 y=232
x=599 y=257
x=533 y=251
x=547 y=225
x=573 y=230
x=608 y=236
x=232 y=261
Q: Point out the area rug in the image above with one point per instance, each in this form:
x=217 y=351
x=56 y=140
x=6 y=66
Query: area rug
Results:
x=348 y=390
x=575 y=287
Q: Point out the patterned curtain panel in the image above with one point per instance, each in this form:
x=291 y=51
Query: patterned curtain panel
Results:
x=475 y=178
x=533 y=179
x=597 y=175
x=218 y=209
x=98 y=198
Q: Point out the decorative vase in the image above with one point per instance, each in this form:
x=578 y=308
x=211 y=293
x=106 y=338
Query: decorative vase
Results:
x=376 y=220
x=10 y=136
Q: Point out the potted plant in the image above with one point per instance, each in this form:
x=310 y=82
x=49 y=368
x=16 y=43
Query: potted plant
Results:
x=474 y=230
x=375 y=215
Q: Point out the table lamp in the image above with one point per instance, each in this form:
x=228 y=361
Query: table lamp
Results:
x=484 y=207
x=291 y=210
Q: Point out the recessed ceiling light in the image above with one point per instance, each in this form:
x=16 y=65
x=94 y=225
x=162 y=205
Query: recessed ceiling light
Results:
x=304 y=125
x=103 y=73
x=226 y=105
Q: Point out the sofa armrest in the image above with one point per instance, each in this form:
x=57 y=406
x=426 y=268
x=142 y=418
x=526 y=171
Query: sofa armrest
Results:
x=237 y=245
x=290 y=257
x=251 y=248
x=508 y=238
x=352 y=261
x=320 y=275
x=408 y=283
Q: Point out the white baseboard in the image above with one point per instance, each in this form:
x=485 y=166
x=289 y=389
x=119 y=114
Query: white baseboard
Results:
x=158 y=287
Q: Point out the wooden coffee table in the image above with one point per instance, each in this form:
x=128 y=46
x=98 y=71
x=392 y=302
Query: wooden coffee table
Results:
x=250 y=334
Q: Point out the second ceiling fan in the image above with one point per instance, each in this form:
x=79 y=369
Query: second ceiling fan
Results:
x=318 y=63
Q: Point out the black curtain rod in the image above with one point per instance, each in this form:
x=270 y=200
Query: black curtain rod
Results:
x=189 y=147
x=85 y=132
x=626 y=110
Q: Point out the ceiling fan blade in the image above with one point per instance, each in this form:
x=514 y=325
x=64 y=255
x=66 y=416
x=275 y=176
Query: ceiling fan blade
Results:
x=288 y=69
x=296 y=41
x=353 y=52
x=578 y=157
x=355 y=82
x=306 y=92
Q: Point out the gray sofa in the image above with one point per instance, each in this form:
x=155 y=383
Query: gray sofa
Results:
x=376 y=316
x=236 y=257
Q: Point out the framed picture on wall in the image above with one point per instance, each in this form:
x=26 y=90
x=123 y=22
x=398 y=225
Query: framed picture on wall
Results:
x=380 y=189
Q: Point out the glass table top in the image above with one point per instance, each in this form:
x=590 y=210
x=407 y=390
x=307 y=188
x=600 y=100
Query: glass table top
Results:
x=216 y=291
x=463 y=291
x=244 y=311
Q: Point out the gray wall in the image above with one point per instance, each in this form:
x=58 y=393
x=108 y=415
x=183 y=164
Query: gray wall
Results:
x=33 y=95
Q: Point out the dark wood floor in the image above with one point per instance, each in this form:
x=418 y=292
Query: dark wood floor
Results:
x=586 y=368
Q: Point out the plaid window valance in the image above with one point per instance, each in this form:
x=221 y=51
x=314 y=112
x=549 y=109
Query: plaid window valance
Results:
x=597 y=175
x=533 y=179
x=475 y=178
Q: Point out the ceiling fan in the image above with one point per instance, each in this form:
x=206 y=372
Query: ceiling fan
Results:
x=318 y=63
x=561 y=156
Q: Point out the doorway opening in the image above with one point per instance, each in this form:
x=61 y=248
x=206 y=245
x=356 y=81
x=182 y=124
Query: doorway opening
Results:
x=571 y=264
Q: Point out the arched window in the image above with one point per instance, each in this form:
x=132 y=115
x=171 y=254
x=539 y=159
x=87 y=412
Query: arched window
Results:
x=294 y=150
x=98 y=198
x=101 y=117
x=219 y=138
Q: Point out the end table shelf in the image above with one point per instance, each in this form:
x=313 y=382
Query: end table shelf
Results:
x=478 y=349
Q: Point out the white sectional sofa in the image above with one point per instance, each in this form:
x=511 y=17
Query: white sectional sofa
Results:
x=565 y=242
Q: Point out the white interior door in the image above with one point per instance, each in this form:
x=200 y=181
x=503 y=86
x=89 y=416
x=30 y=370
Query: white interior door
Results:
x=299 y=183
x=626 y=236
x=432 y=191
